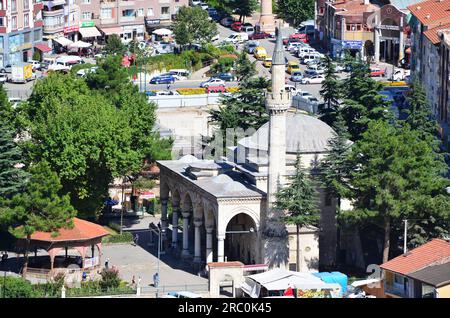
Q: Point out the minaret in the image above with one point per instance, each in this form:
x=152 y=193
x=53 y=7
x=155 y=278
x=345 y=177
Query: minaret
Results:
x=267 y=20
x=278 y=102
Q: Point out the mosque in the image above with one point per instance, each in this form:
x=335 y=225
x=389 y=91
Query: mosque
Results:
x=227 y=205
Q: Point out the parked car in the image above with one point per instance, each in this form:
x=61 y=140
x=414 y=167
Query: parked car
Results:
x=227 y=22
x=227 y=77
x=3 y=78
x=315 y=69
x=296 y=76
x=291 y=89
x=315 y=79
x=248 y=29
x=213 y=81
x=306 y=102
x=259 y=35
x=236 y=38
x=292 y=67
x=163 y=79
x=399 y=75
x=293 y=47
x=305 y=50
x=311 y=57
x=377 y=72
x=36 y=65
x=180 y=74
x=215 y=89
x=6 y=69
x=85 y=71
x=236 y=26
x=260 y=53
x=268 y=62
x=307 y=29
x=167 y=93
x=250 y=46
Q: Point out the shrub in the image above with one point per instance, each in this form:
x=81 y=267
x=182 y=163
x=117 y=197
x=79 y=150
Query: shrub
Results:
x=125 y=237
x=78 y=67
x=37 y=56
x=114 y=226
x=232 y=89
x=191 y=91
x=17 y=287
x=110 y=278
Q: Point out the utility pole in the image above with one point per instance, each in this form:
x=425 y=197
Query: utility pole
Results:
x=405 y=236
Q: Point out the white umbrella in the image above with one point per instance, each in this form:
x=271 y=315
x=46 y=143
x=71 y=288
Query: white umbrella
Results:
x=80 y=44
x=162 y=32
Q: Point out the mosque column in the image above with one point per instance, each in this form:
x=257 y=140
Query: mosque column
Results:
x=175 y=208
x=401 y=45
x=220 y=248
x=185 y=251
x=197 y=252
x=209 y=245
x=164 y=202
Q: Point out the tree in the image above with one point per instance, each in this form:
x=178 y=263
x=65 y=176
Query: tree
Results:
x=245 y=69
x=41 y=207
x=299 y=200
x=295 y=11
x=331 y=93
x=398 y=176
x=114 y=45
x=419 y=111
x=12 y=177
x=193 y=26
x=244 y=8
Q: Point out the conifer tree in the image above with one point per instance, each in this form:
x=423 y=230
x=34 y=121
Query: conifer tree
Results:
x=330 y=92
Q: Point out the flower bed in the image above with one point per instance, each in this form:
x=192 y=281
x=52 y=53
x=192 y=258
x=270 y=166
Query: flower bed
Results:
x=191 y=91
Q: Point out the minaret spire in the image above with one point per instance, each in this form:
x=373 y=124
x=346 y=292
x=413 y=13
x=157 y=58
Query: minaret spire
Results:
x=278 y=102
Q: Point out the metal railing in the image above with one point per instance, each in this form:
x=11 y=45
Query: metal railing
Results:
x=164 y=289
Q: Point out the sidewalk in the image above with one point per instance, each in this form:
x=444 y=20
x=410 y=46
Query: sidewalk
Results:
x=200 y=74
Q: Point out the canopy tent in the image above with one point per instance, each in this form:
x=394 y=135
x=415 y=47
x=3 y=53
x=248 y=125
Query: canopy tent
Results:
x=43 y=47
x=89 y=32
x=63 y=41
x=162 y=32
x=80 y=44
x=279 y=279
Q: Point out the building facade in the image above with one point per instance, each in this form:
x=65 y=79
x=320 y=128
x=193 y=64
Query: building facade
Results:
x=87 y=19
x=20 y=30
x=429 y=61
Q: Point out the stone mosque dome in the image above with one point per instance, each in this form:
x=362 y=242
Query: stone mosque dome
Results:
x=303 y=132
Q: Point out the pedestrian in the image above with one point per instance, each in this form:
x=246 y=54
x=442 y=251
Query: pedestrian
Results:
x=156 y=280
x=168 y=86
x=133 y=282
x=136 y=239
x=107 y=263
x=139 y=281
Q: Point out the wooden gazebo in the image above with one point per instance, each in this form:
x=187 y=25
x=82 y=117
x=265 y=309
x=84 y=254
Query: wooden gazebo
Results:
x=83 y=235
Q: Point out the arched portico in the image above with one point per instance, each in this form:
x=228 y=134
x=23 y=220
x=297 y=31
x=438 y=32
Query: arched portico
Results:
x=241 y=239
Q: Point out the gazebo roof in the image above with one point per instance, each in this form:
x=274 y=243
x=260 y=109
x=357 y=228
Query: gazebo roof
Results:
x=81 y=231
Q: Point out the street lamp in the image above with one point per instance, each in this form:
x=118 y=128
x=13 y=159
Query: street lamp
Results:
x=158 y=231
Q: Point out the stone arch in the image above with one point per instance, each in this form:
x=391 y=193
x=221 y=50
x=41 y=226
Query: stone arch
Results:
x=186 y=202
x=238 y=210
x=164 y=188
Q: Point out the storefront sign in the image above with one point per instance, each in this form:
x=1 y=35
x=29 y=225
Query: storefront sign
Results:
x=354 y=45
x=147 y=195
x=389 y=27
x=73 y=28
x=87 y=24
x=152 y=22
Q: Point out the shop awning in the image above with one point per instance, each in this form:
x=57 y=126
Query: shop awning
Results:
x=63 y=41
x=112 y=30
x=43 y=47
x=80 y=44
x=89 y=32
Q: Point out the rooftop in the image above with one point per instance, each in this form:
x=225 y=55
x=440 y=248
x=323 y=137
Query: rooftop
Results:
x=433 y=34
x=434 y=252
x=431 y=12
x=354 y=7
x=438 y=275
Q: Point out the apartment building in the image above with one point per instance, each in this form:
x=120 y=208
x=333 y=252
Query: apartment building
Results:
x=20 y=30
x=429 y=22
x=97 y=19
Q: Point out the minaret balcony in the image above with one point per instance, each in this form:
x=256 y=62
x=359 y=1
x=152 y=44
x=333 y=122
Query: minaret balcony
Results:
x=280 y=100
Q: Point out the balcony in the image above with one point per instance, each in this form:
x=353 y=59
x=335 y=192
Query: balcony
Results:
x=128 y=19
x=105 y=21
x=53 y=28
x=38 y=23
x=2 y=13
x=127 y=3
x=53 y=13
x=38 y=6
x=108 y=4
x=165 y=16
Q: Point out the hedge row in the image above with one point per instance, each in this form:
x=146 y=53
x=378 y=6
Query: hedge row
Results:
x=125 y=237
x=195 y=91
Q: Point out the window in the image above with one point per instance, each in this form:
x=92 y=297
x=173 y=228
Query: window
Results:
x=165 y=10
x=140 y=12
x=26 y=20
x=128 y=13
x=86 y=1
x=2 y=21
x=27 y=37
x=14 y=22
x=14 y=7
x=106 y=13
x=86 y=15
x=26 y=5
x=1 y=42
x=37 y=35
x=150 y=12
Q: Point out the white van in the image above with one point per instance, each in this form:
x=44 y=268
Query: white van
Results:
x=305 y=51
x=69 y=61
x=180 y=74
x=236 y=38
x=248 y=29
x=310 y=57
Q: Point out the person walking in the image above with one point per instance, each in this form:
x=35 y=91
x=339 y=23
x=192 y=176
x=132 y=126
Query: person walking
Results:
x=168 y=86
x=156 y=280
x=107 y=263
x=136 y=239
x=133 y=282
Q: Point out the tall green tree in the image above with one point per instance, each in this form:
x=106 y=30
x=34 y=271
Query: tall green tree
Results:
x=295 y=11
x=398 y=176
x=193 y=26
x=299 y=200
x=114 y=45
x=245 y=69
x=331 y=93
x=419 y=110
x=244 y=8
x=41 y=207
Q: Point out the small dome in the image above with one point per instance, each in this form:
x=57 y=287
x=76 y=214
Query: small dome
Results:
x=188 y=159
x=222 y=178
x=304 y=133
x=234 y=187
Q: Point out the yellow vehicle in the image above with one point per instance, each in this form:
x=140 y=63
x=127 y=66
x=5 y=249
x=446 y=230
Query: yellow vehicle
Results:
x=260 y=53
x=292 y=67
x=267 y=62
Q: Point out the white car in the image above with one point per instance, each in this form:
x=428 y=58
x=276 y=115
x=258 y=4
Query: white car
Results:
x=85 y=71
x=399 y=75
x=167 y=93
x=35 y=64
x=212 y=82
x=3 y=78
x=315 y=79
x=294 y=46
x=195 y=2
x=291 y=89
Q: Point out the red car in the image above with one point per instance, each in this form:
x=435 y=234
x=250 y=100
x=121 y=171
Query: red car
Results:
x=377 y=72
x=236 y=26
x=259 y=35
x=297 y=37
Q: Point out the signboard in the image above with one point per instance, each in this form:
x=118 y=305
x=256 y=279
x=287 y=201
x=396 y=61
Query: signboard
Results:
x=91 y=262
x=73 y=28
x=356 y=45
x=87 y=24
x=150 y=22
x=389 y=27
x=147 y=195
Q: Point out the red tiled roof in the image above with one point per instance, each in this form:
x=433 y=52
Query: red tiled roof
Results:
x=354 y=7
x=434 y=252
x=432 y=34
x=82 y=230
x=431 y=12
x=225 y=264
